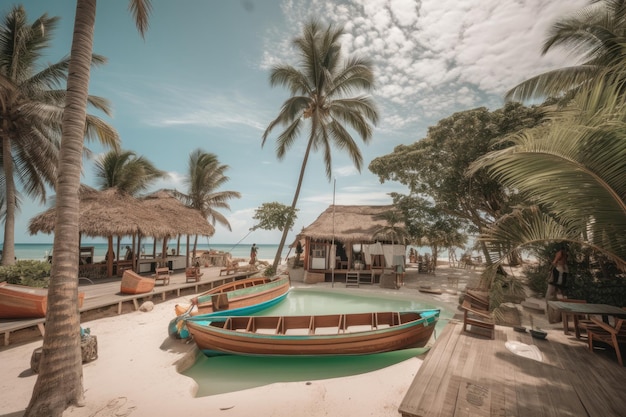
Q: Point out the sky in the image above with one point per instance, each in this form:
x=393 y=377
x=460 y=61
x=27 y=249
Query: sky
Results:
x=200 y=79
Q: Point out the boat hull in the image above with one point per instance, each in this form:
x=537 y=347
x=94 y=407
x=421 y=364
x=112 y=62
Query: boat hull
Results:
x=236 y=298
x=133 y=283
x=336 y=334
x=20 y=302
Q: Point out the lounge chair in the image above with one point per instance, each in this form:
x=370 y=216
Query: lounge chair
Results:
x=613 y=336
x=193 y=274
x=162 y=274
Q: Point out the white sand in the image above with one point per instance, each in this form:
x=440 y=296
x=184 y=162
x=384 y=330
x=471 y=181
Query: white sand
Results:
x=135 y=374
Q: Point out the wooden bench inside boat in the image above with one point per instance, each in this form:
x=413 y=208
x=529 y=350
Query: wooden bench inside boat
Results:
x=310 y=325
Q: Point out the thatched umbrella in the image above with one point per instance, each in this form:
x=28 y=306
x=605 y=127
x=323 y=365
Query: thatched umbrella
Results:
x=113 y=213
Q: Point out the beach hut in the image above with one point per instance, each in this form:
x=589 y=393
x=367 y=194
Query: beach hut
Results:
x=347 y=238
x=111 y=213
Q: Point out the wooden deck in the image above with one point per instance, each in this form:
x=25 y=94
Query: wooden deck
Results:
x=107 y=293
x=468 y=375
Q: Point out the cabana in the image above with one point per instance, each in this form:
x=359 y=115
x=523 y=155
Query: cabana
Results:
x=348 y=238
x=111 y=213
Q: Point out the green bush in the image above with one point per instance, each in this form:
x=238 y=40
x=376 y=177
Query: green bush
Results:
x=269 y=271
x=31 y=273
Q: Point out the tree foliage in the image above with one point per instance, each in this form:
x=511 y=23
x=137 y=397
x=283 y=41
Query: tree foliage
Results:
x=31 y=110
x=435 y=168
x=595 y=35
x=126 y=171
x=275 y=216
x=573 y=171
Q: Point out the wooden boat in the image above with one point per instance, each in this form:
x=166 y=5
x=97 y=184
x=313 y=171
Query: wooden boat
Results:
x=235 y=298
x=236 y=294
x=332 y=334
x=133 y=283
x=20 y=301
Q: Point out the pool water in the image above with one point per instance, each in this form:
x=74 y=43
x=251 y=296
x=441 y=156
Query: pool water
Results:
x=221 y=374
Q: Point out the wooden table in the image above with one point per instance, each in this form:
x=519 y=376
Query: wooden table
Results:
x=588 y=309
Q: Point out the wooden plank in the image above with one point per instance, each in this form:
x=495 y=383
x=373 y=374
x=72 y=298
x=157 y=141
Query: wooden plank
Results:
x=473 y=400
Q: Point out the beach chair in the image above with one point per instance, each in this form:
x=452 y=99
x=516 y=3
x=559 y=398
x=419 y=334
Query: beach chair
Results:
x=193 y=274
x=612 y=336
x=162 y=274
x=479 y=320
x=230 y=268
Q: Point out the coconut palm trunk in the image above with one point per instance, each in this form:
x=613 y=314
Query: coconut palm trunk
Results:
x=283 y=238
x=60 y=380
x=8 y=254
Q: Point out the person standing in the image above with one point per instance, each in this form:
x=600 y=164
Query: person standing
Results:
x=253 y=251
x=556 y=282
x=560 y=269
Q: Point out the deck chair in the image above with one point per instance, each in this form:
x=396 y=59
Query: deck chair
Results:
x=613 y=336
x=193 y=274
x=478 y=319
x=162 y=274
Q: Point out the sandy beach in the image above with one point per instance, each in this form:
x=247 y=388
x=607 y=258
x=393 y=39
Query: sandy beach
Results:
x=136 y=370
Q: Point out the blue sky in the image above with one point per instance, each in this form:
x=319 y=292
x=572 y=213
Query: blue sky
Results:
x=200 y=80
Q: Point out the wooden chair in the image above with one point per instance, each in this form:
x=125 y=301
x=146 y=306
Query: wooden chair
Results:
x=479 y=298
x=193 y=274
x=162 y=274
x=230 y=268
x=478 y=319
x=613 y=336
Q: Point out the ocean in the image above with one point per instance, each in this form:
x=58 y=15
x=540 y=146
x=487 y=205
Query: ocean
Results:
x=40 y=251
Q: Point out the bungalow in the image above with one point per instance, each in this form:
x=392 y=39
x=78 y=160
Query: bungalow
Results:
x=345 y=239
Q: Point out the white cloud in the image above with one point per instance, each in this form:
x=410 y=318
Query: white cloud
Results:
x=435 y=57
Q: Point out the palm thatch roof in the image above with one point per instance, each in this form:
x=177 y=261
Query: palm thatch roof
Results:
x=114 y=213
x=348 y=224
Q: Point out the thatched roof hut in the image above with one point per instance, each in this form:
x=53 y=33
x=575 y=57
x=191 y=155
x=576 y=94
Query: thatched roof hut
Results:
x=348 y=224
x=114 y=213
x=111 y=213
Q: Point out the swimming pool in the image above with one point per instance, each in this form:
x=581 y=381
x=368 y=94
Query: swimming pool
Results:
x=221 y=374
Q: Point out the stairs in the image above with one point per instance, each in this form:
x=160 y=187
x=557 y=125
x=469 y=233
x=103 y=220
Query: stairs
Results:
x=352 y=279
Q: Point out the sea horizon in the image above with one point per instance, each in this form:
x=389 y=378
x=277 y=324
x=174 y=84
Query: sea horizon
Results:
x=41 y=251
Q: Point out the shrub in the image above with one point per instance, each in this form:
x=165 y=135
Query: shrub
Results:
x=31 y=273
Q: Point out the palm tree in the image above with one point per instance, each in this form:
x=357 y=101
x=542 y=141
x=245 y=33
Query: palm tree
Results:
x=126 y=171
x=596 y=34
x=59 y=382
x=574 y=171
x=320 y=95
x=31 y=109
x=205 y=177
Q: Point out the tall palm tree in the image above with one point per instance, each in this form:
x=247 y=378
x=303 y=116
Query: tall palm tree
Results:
x=204 y=178
x=59 y=382
x=31 y=109
x=126 y=171
x=573 y=169
x=320 y=102
x=596 y=34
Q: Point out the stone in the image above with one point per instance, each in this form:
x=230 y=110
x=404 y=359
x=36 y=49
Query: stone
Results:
x=147 y=306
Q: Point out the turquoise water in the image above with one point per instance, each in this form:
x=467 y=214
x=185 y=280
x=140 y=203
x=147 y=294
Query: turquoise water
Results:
x=221 y=374
x=40 y=251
